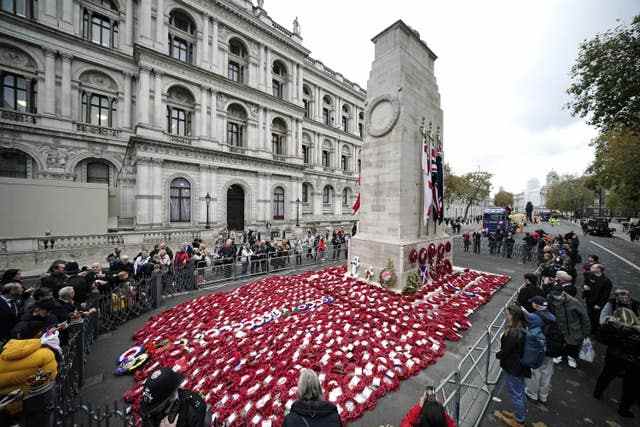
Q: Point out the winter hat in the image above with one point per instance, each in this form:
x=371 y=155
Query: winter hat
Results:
x=160 y=386
x=563 y=277
x=71 y=268
x=540 y=301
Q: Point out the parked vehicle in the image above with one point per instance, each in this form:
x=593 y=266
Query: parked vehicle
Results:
x=597 y=227
x=494 y=218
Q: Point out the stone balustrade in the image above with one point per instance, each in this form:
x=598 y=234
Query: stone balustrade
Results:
x=17 y=116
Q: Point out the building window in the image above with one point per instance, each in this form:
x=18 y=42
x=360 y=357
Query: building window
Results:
x=180 y=200
x=345 y=163
x=100 y=29
x=305 y=192
x=360 y=129
x=326 y=110
x=22 y=8
x=307 y=101
x=278 y=136
x=237 y=60
x=346 y=197
x=278 y=203
x=345 y=118
x=13 y=164
x=279 y=76
x=18 y=93
x=178 y=121
x=98 y=110
x=361 y=124
x=236 y=123
x=98 y=173
x=306 y=154
x=278 y=144
x=327 y=196
x=326 y=159
x=181 y=36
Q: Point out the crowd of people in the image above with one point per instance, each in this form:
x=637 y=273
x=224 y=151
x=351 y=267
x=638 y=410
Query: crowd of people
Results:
x=555 y=318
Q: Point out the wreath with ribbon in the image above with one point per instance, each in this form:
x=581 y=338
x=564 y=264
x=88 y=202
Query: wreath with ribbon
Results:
x=422 y=258
x=447 y=246
x=432 y=250
x=413 y=256
x=440 y=250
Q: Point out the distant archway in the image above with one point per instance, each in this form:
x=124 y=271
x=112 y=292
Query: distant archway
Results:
x=235 y=208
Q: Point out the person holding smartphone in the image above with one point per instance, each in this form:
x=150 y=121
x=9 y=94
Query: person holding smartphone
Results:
x=428 y=412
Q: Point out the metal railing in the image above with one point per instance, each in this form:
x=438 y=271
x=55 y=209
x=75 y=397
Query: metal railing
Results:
x=467 y=391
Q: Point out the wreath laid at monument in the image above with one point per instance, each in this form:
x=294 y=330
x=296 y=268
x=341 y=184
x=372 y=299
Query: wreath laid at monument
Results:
x=388 y=277
x=243 y=350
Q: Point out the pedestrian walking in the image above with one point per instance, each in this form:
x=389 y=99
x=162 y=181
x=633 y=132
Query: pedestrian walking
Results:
x=509 y=243
x=477 y=236
x=466 y=240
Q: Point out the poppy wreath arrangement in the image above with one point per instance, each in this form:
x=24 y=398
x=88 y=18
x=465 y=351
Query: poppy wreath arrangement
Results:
x=243 y=350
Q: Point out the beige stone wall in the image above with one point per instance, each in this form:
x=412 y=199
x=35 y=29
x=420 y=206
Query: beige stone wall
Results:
x=31 y=207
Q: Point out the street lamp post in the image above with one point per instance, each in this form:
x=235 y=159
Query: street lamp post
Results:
x=297 y=212
x=207 y=199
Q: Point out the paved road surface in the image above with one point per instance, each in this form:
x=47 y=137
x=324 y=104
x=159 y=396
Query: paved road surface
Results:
x=571 y=402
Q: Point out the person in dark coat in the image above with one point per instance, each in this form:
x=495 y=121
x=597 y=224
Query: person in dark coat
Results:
x=9 y=310
x=510 y=354
x=165 y=403
x=528 y=291
x=310 y=410
x=620 y=331
x=33 y=324
x=78 y=281
x=477 y=237
x=56 y=278
x=596 y=291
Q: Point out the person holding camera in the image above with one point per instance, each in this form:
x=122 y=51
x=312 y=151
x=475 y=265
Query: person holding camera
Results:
x=165 y=404
x=428 y=412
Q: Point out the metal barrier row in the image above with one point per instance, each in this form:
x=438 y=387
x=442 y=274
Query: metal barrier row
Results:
x=520 y=252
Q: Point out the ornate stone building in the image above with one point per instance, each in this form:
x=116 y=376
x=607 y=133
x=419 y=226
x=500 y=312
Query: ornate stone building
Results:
x=168 y=101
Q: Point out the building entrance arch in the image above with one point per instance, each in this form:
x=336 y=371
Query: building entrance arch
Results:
x=235 y=208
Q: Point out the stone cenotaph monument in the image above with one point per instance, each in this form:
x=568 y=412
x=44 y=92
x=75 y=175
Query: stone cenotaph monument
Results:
x=398 y=229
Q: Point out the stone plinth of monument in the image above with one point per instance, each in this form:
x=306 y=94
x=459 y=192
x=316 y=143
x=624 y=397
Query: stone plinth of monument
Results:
x=402 y=97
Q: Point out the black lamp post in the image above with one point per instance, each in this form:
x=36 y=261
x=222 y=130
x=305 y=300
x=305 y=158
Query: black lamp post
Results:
x=297 y=212
x=207 y=199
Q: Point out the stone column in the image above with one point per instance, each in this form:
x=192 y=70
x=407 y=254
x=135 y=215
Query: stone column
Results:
x=67 y=16
x=50 y=81
x=144 y=23
x=298 y=146
x=203 y=112
x=161 y=32
x=267 y=78
x=158 y=199
x=158 y=116
x=337 y=116
x=214 y=46
x=204 y=60
x=128 y=29
x=142 y=98
x=300 y=82
x=125 y=117
x=317 y=114
x=267 y=130
x=65 y=88
x=292 y=85
x=260 y=67
x=214 y=115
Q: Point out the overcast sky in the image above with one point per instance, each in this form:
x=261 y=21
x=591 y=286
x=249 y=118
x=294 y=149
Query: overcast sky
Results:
x=502 y=69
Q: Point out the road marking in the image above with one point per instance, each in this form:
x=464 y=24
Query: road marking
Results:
x=615 y=255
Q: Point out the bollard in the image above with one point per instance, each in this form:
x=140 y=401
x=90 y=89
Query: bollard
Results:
x=156 y=278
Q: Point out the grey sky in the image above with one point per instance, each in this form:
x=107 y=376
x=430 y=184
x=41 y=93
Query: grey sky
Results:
x=502 y=68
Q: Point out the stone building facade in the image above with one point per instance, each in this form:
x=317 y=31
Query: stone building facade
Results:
x=171 y=103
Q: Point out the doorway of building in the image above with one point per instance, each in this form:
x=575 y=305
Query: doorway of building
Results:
x=235 y=208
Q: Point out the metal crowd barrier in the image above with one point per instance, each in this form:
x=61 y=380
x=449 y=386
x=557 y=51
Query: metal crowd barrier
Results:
x=520 y=252
x=467 y=391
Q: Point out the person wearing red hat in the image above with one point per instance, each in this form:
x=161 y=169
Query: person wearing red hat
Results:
x=165 y=403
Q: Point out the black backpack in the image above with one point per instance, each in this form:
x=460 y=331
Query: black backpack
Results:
x=554 y=338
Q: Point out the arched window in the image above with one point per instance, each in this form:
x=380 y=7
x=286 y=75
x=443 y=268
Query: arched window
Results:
x=306 y=192
x=18 y=93
x=327 y=107
x=180 y=200
x=345 y=118
x=14 y=164
x=345 y=159
x=180 y=107
x=346 y=196
x=182 y=39
x=98 y=110
x=23 y=8
x=307 y=100
x=236 y=125
x=279 y=79
x=361 y=124
x=97 y=173
x=327 y=196
x=100 y=24
x=279 y=138
x=306 y=154
x=237 y=60
x=326 y=154
x=278 y=203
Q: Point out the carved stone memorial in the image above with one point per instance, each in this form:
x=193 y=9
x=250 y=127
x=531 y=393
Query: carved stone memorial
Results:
x=397 y=230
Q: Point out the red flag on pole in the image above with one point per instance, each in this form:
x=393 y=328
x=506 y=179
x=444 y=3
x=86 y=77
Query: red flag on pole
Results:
x=356 y=205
